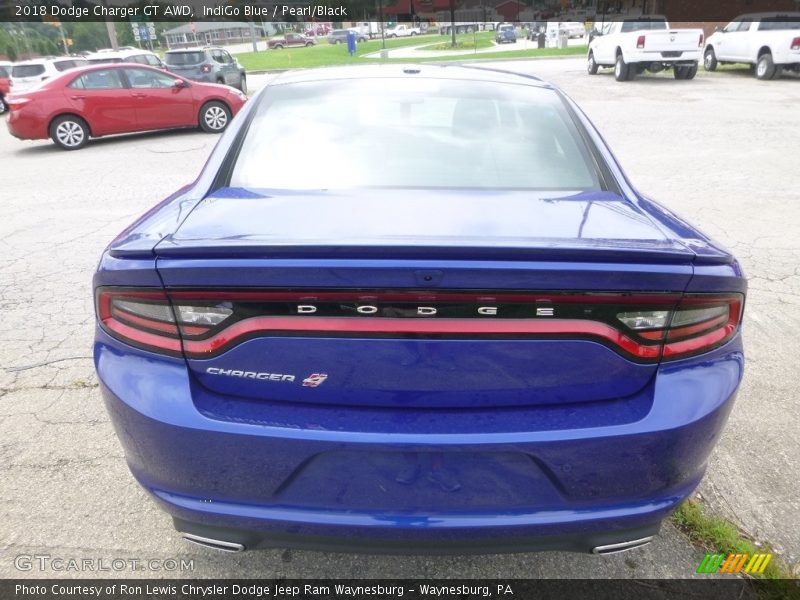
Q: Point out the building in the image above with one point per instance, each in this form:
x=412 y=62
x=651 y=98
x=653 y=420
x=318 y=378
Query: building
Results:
x=219 y=33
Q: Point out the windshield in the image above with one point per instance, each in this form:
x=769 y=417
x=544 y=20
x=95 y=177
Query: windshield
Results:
x=184 y=58
x=27 y=70
x=404 y=133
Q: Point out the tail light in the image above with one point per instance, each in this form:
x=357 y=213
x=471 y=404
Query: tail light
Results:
x=795 y=44
x=205 y=69
x=640 y=42
x=15 y=103
x=698 y=324
x=201 y=324
x=701 y=40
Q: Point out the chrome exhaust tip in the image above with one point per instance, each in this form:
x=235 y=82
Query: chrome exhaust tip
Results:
x=622 y=546
x=219 y=545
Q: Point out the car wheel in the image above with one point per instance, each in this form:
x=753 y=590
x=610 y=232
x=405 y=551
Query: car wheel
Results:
x=679 y=72
x=3 y=105
x=309 y=44
x=621 y=69
x=394 y=35
x=243 y=84
x=278 y=46
x=591 y=65
x=69 y=132
x=765 y=68
x=691 y=71
x=710 y=60
x=214 y=117
x=413 y=33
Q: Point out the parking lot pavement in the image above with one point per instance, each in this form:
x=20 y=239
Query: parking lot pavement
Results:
x=720 y=150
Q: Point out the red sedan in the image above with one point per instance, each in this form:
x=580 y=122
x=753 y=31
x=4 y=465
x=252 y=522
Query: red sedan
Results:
x=118 y=98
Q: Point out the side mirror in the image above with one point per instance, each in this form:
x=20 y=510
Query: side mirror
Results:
x=718 y=29
x=179 y=84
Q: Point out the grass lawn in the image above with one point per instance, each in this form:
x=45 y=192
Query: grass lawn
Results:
x=325 y=54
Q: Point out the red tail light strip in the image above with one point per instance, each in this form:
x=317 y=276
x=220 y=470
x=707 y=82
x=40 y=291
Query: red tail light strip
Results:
x=349 y=325
x=143 y=337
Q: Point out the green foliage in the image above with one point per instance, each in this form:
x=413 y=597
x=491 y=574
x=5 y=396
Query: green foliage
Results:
x=719 y=535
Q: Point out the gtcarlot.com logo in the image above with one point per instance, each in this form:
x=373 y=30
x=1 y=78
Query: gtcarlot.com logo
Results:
x=64 y=564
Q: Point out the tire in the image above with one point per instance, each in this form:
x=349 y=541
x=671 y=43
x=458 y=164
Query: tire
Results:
x=69 y=132
x=765 y=68
x=243 y=84
x=278 y=46
x=691 y=71
x=214 y=117
x=679 y=72
x=3 y=106
x=622 y=71
x=309 y=44
x=710 y=60
x=413 y=33
x=394 y=35
x=591 y=65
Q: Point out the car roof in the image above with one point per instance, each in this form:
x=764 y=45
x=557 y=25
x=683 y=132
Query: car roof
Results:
x=195 y=49
x=420 y=71
x=117 y=54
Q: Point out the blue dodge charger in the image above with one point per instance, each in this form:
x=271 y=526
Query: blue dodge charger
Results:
x=416 y=309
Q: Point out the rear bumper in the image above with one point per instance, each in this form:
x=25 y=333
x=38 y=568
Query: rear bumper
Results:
x=636 y=56
x=268 y=474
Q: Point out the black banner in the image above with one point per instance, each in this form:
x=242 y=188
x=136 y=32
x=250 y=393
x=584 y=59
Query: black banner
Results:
x=462 y=11
x=386 y=589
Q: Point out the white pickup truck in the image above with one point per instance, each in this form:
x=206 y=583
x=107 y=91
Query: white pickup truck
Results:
x=770 y=41
x=645 y=43
x=402 y=31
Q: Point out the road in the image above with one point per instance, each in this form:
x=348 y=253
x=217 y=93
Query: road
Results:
x=720 y=150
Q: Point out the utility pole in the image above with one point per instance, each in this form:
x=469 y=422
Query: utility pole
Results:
x=453 y=21
x=253 y=35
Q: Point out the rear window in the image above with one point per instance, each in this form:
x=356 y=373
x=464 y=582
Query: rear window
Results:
x=27 y=70
x=403 y=133
x=184 y=58
x=63 y=65
x=3 y=72
x=779 y=24
x=643 y=25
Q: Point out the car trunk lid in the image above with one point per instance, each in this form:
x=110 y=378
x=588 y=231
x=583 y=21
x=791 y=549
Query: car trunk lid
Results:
x=434 y=300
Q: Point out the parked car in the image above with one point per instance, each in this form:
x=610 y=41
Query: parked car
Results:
x=318 y=29
x=290 y=40
x=211 y=65
x=5 y=84
x=402 y=30
x=118 y=98
x=142 y=57
x=514 y=349
x=339 y=36
x=633 y=46
x=572 y=29
x=505 y=33
x=30 y=73
x=770 y=41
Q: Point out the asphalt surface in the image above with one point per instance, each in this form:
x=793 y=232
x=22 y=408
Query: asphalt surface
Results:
x=720 y=150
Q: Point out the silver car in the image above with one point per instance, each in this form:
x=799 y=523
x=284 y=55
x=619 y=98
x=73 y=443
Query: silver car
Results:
x=212 y=65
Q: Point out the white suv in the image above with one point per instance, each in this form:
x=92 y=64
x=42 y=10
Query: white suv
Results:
x=27 y=74
x=142 y=57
